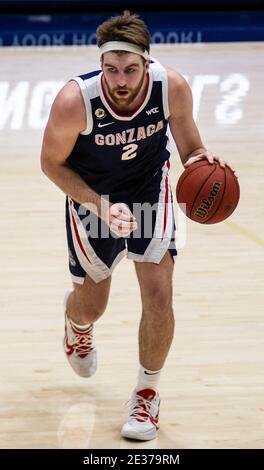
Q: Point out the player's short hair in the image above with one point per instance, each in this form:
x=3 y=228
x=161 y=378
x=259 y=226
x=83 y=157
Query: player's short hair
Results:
x=127 y=27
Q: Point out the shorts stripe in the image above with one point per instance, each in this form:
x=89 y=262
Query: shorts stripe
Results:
x=166 y=205
x=87 y=257
x=77 y=233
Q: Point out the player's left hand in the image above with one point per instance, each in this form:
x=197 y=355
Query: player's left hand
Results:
x=211 y=158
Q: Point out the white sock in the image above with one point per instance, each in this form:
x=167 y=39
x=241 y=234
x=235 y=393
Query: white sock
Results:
x=148 y=378
x=80 y=327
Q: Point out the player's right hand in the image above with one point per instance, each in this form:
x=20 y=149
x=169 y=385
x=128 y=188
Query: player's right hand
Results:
x=121 y=220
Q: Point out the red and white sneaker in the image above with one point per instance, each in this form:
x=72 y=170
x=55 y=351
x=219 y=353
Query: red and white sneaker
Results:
x=142 y=423
x=79 y=347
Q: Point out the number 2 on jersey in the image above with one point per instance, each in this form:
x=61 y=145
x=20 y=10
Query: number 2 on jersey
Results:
x=130 y=151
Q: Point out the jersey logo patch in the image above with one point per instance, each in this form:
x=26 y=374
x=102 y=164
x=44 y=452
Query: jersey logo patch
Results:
x=100 y=113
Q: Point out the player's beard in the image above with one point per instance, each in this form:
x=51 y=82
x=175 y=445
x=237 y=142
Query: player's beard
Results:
x=122 y=100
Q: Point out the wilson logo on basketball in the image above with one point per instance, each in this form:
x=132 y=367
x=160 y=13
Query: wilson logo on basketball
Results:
x=206 y=204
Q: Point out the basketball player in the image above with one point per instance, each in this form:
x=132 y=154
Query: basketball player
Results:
x=106 y=147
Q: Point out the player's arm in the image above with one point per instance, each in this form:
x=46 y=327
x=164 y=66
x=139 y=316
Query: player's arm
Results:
x=67 y=119
x=183 y=128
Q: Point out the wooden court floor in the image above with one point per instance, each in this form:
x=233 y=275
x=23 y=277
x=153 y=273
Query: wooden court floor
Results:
x=212 y=388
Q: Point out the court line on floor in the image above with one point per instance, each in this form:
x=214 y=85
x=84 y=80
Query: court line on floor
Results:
x=245 y=232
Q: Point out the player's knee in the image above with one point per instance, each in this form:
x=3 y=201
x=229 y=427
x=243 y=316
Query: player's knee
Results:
x=158 y=301
x=92 y=309
x=91 y=313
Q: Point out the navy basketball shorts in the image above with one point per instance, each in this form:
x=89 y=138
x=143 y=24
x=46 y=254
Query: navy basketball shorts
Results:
x=95 y=251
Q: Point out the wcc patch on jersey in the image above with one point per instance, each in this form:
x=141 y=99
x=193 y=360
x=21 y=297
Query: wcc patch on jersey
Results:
x=125 y=158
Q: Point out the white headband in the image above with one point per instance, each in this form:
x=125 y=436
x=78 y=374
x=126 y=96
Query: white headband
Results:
x=123 y=46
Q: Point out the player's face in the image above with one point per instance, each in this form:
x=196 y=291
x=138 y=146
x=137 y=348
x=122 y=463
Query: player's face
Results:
x=124 y=76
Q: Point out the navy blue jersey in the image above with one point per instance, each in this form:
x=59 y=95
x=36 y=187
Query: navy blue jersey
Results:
x=115 y=154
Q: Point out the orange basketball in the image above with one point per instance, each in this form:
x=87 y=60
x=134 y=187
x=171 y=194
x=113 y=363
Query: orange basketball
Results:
x=207 y=193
